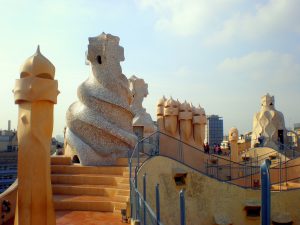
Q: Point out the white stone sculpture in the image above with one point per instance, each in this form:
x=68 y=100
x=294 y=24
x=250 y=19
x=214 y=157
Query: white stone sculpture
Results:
x=139 y=90
x=269 y=124
x=99 y=125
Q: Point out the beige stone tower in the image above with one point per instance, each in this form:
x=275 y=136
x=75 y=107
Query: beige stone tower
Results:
x=185 y=118
x=233 y=140
x=199 y=122
x=171 y=111
x=35 y=92
x=160 y=114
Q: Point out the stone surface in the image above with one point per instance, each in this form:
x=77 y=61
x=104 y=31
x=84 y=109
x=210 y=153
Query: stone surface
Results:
x=233 y=139
x=87 y=218
x=139 y=90
x=233 y=134
x=205 y=197
x=222 y=219
x=282 y=217
x=99 y=125
x=10 y=194
x=182 y=121
x=267 y=122
x=35 y=93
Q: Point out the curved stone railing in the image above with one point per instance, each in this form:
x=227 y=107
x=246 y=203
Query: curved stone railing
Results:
x=243 y=174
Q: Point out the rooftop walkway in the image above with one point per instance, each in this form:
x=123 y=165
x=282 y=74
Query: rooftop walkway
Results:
x=87 y=218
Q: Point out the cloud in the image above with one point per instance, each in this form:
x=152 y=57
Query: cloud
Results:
x=221 y=22
x=183 y=71
x=273 y=18
x=186 y=17
x=266 y=67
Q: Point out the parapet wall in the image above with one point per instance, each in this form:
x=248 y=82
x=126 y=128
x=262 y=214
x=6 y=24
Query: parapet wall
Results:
x=207 y=197
x=9 y=195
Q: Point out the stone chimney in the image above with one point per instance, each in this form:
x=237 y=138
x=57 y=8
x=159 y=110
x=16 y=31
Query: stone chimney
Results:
x=9 y=125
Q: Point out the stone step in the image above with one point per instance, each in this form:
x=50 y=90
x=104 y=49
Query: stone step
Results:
x=89 y=179
x=122 y=161
x=61 y=160
x=84 y=189
x=89 y=188
x=78 y=169
x=126 y=174
x=87 y=203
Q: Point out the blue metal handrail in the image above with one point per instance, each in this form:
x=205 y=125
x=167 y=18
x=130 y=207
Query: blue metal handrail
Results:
x=265 y=193
x=141 y=201
x=182 y=207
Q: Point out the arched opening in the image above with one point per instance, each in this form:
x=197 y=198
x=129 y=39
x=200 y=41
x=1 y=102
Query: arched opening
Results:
x=99 y=60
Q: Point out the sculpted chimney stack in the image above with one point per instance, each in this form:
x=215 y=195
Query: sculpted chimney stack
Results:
x=35 y=92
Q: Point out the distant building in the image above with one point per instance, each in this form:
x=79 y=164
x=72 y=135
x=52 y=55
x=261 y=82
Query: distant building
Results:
x=293 y=136
x=8 y=169
x=297 y=128
x=8 y=157
x=8 y=140
x=214 y=129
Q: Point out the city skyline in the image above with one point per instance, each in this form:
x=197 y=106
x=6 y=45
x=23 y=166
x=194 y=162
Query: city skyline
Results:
x=223 y=56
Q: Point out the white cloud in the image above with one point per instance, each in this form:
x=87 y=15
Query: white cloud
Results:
x=266 y=67
x=183 y=71
x=225 y=21
x=276 y=17
x=186 y=17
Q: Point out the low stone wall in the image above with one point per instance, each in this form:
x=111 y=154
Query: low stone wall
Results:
x=10 y=195
x=207 y=198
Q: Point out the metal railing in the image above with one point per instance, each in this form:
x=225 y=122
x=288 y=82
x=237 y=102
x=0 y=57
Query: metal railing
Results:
x=142 y=211
x=287 y=150
x=244 y=174
x=140 y=207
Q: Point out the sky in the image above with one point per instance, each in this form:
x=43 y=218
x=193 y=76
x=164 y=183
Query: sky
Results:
x=223 y=55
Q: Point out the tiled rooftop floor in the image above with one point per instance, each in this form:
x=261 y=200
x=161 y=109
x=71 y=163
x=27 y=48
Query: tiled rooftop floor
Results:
x=87 y=218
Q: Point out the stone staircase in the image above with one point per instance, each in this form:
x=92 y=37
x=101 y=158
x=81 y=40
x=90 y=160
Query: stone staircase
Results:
x=89 y=188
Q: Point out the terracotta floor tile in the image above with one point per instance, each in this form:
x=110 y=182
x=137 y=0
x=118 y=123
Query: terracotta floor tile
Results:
x=87 y=218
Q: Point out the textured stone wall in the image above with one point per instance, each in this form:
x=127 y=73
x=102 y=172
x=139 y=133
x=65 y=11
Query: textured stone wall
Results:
x=206 y=198
x=99 y=125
